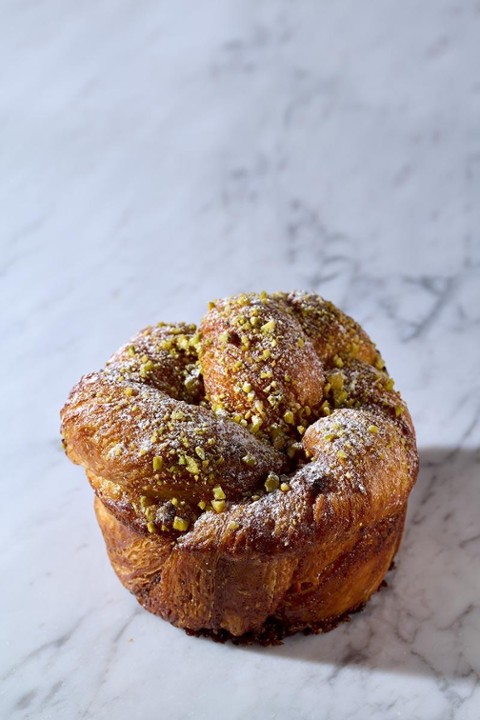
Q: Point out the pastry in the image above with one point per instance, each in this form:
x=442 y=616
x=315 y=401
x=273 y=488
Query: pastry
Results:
x=251 y=476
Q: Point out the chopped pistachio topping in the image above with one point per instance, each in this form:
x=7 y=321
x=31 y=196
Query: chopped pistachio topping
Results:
x=373 y=429
x=145 y=502
x=272 y=482
x=300 y=429
x=288 y=417
x=233 y=525
x=195 y=340
x=191 y=465
x=157 y=463
x=249 y=460
x=178 y=415
x=338 y=361
x=151 y=527
x=256 y=423
x=292 y=449
x=174 y=502
x=284 y=487
x=147 y=366
x=399 y=410
x=131 y=351
x=200 y=452
x=129 y=391
x=218 y=505
x=341 y=454
x=202 y=504
x=326 y=408
x=180 y=523
x=336 y=381
x=218 y=493
x=268 y=327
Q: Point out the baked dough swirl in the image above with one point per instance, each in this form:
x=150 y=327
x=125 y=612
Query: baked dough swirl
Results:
x=252 y=475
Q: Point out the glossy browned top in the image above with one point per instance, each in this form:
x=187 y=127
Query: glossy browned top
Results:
x=273 y=423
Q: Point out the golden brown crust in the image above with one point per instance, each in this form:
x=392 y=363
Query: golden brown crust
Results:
x=334 y=334
x=250 y=475
x=144 y=449
x=164 y=357
x=207 y=590
x=259 y=366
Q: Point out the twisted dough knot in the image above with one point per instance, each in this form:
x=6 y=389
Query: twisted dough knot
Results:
x=272 y=425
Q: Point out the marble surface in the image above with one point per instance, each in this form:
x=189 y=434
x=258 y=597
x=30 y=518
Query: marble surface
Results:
x=156 y=155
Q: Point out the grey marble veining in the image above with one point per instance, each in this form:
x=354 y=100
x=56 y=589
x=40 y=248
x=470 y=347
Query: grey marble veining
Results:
x=157 y=155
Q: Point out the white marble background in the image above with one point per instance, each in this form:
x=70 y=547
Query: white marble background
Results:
x=157 y=154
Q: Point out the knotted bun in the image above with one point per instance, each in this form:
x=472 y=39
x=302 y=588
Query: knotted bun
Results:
x=251 y=474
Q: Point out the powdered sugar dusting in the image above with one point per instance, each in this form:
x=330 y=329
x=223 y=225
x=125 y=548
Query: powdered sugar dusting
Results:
x=286 y=416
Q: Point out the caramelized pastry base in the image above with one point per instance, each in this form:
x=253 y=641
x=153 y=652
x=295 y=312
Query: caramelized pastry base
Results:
x=255 y=599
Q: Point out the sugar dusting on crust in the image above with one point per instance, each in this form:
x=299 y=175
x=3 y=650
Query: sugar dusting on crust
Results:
x=168 y=459
x=336 y=336
x=260 y=369
x=164 y=356
x=246 y=431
